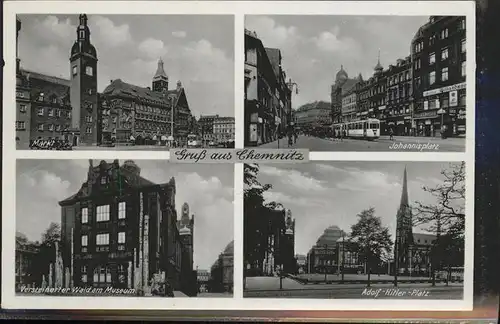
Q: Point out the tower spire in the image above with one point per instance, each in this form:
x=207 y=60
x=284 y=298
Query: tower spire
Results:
x=160 y=79
x=404 y=194
x=378 y=67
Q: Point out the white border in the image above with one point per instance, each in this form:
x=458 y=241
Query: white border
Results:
x=238 y=9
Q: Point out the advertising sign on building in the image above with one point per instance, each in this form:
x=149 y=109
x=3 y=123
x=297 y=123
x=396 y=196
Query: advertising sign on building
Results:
x=426 y=105
x=453 y=98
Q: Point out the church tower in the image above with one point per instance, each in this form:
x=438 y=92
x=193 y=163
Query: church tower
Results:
x=186 y=232
x=404 y=230
x=160 y=79
x=83 y=92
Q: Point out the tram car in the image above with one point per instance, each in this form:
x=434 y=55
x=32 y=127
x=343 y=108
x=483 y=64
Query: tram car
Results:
x=368 y=129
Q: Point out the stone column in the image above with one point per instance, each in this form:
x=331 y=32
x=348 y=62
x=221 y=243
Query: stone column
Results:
x=71 y=270
x=129 y=274
x=67 y=278
x=145 y=267
x=51 y=273
x=58 y=267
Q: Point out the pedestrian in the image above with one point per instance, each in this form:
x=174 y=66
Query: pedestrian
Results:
x=290 y=139
x=391 y=134
x=295 y=136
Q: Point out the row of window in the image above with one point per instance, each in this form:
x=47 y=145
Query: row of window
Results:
x=89 y=70
x=398 y=78
x=444 y=74
x=102 y=273
x=442 y=102
x=102 y=239
x=50 y=111
x=102 y=212
x=153 y=117
x=41 y=98
x=49 y=127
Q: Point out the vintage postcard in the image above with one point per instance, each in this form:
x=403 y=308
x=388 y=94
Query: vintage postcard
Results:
x=372 y=230
x=123 y=228
x=235 y=155
x=357 y=83
x=120 y=82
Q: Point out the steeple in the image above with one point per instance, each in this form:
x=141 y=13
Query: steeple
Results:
x=160 y=79
x=378 y=67
x=404 y=194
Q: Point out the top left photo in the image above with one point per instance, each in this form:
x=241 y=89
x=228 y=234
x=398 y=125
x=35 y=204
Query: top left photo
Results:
x=124 y=82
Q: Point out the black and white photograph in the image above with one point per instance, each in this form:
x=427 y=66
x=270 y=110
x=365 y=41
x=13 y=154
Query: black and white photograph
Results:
x=123 y=228
x=355 y=230
x=356 y=83
x=124 y=82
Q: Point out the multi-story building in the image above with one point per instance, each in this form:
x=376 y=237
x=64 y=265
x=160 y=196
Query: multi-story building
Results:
x=206 y=128
x=274 y=249
x=349 y=105
x=398 y=108
x=438 y=53
x=315 y=114
x=72 y=110
x=26 y=252
x=338 y=90
x=203 y=277
x=301 y=263
x=224 y=129
x=121 y=230
x=332 y=254
x=221 y=272
x=267 y=95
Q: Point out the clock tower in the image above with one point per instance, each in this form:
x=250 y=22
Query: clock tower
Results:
x=83 y=93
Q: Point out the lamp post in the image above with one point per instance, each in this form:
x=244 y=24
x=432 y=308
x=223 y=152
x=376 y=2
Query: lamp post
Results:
x=326 y=255
x=343 y=255
x=290 y=85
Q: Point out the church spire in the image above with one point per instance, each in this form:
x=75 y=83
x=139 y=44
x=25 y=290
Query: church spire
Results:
x=160 y=79
x=404 y=195
x=378 y=67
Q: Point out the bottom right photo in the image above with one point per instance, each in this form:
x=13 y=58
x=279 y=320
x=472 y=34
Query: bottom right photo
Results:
x=393 y=230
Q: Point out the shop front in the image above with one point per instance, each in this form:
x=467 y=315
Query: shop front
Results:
x=426 y=123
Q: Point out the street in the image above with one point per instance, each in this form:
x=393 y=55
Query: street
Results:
x=268 y=287
x=127 y=148
x=215 y=295
x=399 y=144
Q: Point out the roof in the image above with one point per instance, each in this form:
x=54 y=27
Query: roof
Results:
x=131 y=179
x=315 y=105
x=229 y=248
x=274 y=58
x=330 y=236
x=50 y=86
x=348 y=85
x=122 y=89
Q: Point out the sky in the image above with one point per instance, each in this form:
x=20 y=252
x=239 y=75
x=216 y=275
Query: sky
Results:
x=333 y=193
x=315 y=47
x=198 y=50
x=208 y=189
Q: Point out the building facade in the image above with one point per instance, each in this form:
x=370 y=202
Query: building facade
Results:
x=342 y=85
x=438 y=53
x=121 y=230
x=72 y=110
x=224 y=130
x=332 y=254
x=221 y=272
x=311 y=115
x=267 y=95
x=206 y=128
x=399 y=106
x=26 y=252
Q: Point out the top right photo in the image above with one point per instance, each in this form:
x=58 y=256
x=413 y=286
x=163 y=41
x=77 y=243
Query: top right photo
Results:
x=356 y=83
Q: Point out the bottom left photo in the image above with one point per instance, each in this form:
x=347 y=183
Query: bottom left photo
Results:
x=123 y=228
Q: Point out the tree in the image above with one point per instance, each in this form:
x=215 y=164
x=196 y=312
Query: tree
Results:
x=51 y=234
x=371 y=238
x=447 y=214
x=253 y=205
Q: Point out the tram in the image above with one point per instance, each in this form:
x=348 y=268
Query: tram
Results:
x=192 y=141
x=366 y=129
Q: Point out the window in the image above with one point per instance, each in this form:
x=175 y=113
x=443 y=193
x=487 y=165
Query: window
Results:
x=22 y=108
x=89 y=70
x=85 y=215
x=58 y=128
x=40 y=96
x=89 y=130
x=51 y=112
x=88 y=119
x=426 y=105
x=40 y=127
x=463 y=72
x=102 y=239
x=445 y=102
x=102 y=213
x=54 y=100
x=51 y=127
x=85 y=240
x=444 y=33
x=463 y=46
x=432 y=58
x=59 y=113
x=104 y=180
x=122 y=273
x=462 y=24
x=432 y=77
x=102 y=274
x=75 y=70
x=82 y=34
x=432 y=40
x=68 y=114
x=122 y=210
x=444 y=74
x=417 y=64
x=40 y=111
x=444 y=54
x=20 y=125
x=121 y=238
